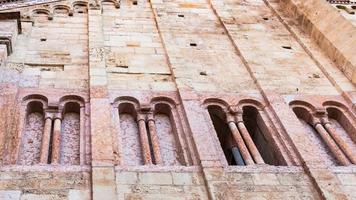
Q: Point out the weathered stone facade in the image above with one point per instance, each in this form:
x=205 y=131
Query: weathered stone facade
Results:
x=177 y=99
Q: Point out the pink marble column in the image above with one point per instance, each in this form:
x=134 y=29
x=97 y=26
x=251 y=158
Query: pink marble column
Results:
x=154 y=139
x=342 y=144
x=144 y=139
x=46 y=138
x=82 y=141
x=56 y=143
x=332 y=145
x=249 y=142
x=239 y=141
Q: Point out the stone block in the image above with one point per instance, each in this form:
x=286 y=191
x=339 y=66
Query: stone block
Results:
x=155 y=178
x=10 y=194
x=265 y=179
x=347 y=179
x=42 y=197
x=182 y=178
x=126 y=177
x=79 y=195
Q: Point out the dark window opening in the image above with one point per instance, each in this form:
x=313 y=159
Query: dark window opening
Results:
x=342 y=124
x=226 y=140
x=150 y=144
x=258 y=131
x=193 y=44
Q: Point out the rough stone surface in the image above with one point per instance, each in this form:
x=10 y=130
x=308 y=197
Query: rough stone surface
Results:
x=32 y=137
x=70 y=137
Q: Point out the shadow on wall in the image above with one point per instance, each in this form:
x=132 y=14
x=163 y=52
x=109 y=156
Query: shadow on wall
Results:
x=245 y=137
x=331 y=129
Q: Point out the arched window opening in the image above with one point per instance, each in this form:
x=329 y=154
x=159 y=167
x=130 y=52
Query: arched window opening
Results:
x=70 y=134
x=80 y=8
x=41 y=13
x=32 y=134
x=305 y=118
x=131 y=148
x=108 y=5
x=229 y=147
x=342 y=132
x=61 y=10
x=257 y=130
x=170 y=150
x=342 y=123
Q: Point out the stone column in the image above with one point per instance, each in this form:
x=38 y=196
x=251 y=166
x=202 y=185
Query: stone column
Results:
x=46 y=138
x=249 y=142
x=239 y=141
x=56 y=144
x=331 y=144
x=342 y=144
x=82 y=140
x=154 y=139
x=144 y=139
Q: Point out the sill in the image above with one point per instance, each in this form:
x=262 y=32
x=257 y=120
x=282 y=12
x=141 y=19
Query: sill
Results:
x=264 y=168
x=45 y=168
x=155 y=168
x=344 y=169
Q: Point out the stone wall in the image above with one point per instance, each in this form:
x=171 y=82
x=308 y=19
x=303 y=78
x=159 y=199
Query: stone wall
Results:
x=160 y=183
x=44 y=183
x=166 y=99
x=268 y=183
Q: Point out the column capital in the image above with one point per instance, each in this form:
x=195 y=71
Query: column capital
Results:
x=48 y=115
x=238 y=115
x=230 y=118
x=150 y=117
x=57 y=116
x=141 y=117
x=315 y=121
x=238 y=118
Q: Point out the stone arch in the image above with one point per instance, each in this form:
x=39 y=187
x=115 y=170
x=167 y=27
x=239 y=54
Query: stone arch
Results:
x=218 y=115
x=303 y=110
x=106 y=4
x=167 y=130
x=306 y=113
x=168 y=100
x=70 y=133
x=127 y=99
x=73 y=139
x=340 y=125
x=251 y=102
x=80 y=7
x=38 y=97
x=61 y=10
x=71 y=98
x=129 y=134
x=254 y=121
x=340 y=114
x=31 y=137
x=218 y=102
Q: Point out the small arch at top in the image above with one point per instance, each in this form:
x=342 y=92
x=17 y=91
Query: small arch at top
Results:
x=251 y=102
x=215 y=101
x=35 y=96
